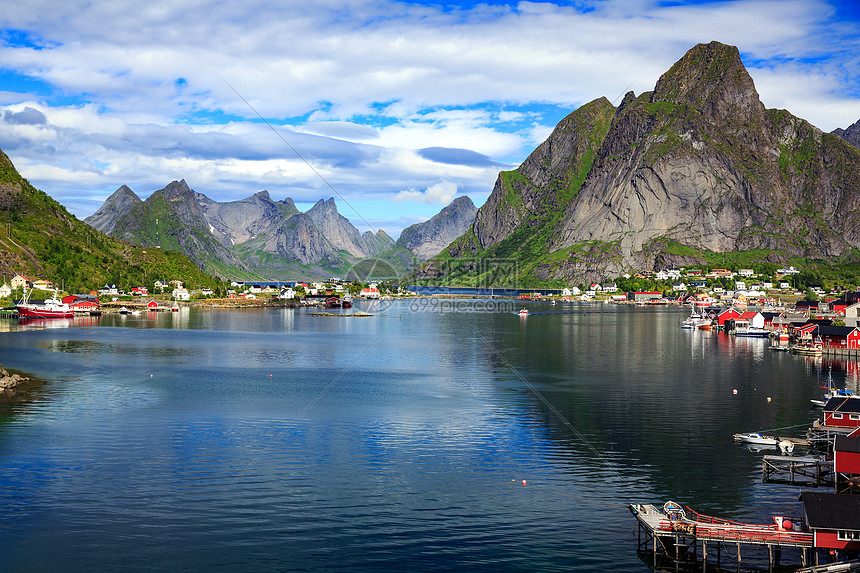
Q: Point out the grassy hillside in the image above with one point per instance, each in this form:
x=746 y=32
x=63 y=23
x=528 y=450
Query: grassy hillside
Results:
x=39 y=238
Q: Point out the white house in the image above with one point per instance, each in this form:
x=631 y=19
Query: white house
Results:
x=5 y=290
x=679 y=287
x=767 y=285
x=740 y=285
x=788 y=271
x=783 y=285
x=287 y=294
x=746 y=272
x=574 y=291
x=565 y=292
x=610 y=287
x=109 y=290
x=181 y=293
x=851 y=314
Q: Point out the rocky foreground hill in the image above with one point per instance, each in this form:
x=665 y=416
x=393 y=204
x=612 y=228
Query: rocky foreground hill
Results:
x=684 y=174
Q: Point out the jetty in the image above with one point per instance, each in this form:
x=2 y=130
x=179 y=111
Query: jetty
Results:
x=676 y=532
x=792 y=470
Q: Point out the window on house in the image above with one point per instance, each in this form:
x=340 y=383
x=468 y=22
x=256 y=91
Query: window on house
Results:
x=854 y=417
x=848 y=535
x=837 y=416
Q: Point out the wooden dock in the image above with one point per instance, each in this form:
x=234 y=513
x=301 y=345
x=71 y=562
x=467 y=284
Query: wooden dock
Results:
x=676 y=534
x=793 y=470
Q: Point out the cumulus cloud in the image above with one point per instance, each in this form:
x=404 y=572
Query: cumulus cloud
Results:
x=441 y=193
x=378 y=96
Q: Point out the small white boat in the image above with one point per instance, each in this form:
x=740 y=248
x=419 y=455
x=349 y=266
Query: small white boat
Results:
x=123 y=310
x=834 y=393
x=807 y=349
x=523 y=312
x=756 y=438
x=752 y=332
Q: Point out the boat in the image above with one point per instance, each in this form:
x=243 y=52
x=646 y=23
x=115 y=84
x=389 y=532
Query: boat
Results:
x=833 y=392
x=124 y=310
x=174 y=308
x=779 y=347
x=49 y=308
x=523 y=312
x=752 y=332
x=756 y=438
x=804 y=349
x=695 y=320
x=347 y=301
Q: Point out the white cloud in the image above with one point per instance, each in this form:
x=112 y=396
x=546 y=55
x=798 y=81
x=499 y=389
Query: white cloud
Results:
x=441 y=193
x=359 y=88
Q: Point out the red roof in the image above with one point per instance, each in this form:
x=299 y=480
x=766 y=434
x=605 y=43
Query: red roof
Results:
x=748 y=314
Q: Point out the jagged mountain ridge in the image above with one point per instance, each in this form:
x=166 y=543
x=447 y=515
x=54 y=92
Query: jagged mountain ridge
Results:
x=851 y=134
x=696 y=165
x=252 y=235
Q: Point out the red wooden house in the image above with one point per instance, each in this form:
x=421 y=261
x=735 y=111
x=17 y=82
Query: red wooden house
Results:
x=728 y=314
x=834 y=520
x=152 y=305
x=842 y=412
x=846 y=461
x=803 y=332
x=838 y=336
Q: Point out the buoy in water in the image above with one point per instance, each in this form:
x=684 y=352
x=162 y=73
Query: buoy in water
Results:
x=735 y=391
x=768 y=398
x=524 y=482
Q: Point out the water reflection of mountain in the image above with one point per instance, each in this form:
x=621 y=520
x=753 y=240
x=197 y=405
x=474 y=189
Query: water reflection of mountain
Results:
x=659 y=400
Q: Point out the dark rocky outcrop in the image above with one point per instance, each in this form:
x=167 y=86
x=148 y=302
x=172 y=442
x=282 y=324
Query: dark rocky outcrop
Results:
x=427 y=239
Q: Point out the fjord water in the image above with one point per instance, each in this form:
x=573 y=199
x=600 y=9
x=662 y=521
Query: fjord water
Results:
x=426 y=437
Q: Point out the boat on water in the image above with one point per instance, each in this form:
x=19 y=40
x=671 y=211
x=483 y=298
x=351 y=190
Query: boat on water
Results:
x=779 y=347
x=695 y=320
x=752 y=332
x=124 y=310
x=347 y=301
x=756 y=438
x=807 y=349
x=523 y=312
x=49 y=308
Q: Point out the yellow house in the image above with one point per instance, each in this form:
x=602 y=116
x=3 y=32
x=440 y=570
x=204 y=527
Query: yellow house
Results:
x=41 y=284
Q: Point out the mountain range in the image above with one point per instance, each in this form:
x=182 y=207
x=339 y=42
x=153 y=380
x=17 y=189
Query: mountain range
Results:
x=258 y=237
x=695 y=171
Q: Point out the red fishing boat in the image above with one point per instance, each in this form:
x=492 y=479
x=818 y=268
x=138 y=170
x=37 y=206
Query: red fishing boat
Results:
x=48 y=308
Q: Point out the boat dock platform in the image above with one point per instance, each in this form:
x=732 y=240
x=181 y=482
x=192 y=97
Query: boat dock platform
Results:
x=792 y=470
x=675 y=533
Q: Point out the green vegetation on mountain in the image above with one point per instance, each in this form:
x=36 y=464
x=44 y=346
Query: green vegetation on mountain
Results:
x=39 y=238
x=696 y=171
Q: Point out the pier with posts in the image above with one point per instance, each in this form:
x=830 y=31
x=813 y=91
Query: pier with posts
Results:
x=800 y=470
x=676 y=533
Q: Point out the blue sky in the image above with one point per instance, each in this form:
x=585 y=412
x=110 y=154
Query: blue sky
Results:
x=399 y=107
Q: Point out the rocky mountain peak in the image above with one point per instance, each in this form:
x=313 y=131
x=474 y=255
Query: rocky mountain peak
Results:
x=711 y=78
x=114 y=207
x=427 y=239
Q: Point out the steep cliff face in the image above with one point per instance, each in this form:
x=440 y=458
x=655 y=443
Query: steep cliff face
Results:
x=697 y=165
x=547 y=179
x=337 y=229
x=700 y=162
x=427 y=239
x=114 y=207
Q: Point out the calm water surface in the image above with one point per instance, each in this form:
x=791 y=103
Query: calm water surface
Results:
x=272 y=440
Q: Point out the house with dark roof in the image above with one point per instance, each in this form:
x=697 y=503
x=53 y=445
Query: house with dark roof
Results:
x=842 y=412
x=838 y=336
x=834 y=519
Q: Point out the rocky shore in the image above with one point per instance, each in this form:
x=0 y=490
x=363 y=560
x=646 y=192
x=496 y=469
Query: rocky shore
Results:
x=8 y=382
